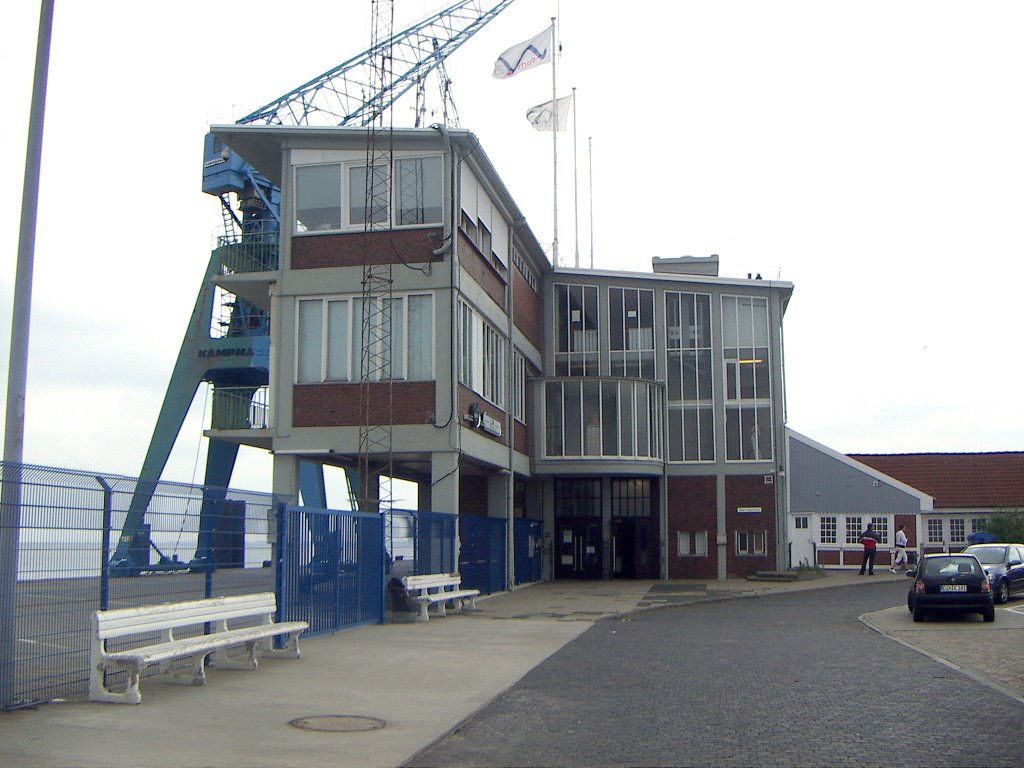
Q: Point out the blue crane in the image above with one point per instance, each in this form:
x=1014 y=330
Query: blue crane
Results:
x=227 y=340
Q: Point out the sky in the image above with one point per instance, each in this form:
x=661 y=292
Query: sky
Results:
x=868 y=152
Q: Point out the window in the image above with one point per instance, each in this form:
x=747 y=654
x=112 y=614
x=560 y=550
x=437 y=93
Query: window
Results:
x=828 y=530
x=978 y=524
x=691 y=426
x=409 y=193
x=484 y=374
x=631 y=497
x=631 y=332
x=957 y=530
x=935 y=531
x=853 y=530
x=881 y=526
x=602 y=418
x=748 y=412
x=751 y=542
x=800 y=523
x=318 y=197
x=329 y=343
x=692 y=543
x=519 y=387
x=576 y=323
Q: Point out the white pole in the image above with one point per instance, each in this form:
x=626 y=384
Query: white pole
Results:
x=575 y=181
x=17 y=372
x=554 y=139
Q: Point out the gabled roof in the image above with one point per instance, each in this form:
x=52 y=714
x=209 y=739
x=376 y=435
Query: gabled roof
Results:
x=957 y=480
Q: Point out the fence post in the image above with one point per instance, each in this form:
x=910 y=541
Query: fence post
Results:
x=105 y=545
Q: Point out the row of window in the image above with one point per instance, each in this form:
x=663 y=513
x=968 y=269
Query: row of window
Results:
x=340 y=196
x=695 y=543
x=847 y=530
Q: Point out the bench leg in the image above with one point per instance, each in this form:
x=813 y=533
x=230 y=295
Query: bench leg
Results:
x=424 y=614
x=472 y=603
x=221 y=660
x=441 y=611
x=98 y=690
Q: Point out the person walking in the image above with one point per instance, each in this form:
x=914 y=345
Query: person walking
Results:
x=870 y=541
x=899 y=563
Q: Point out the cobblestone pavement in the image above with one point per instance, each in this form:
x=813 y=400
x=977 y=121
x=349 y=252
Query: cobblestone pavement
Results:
x=791 y=679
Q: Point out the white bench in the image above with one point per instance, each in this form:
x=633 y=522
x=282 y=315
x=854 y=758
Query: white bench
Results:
x=165 y=618
x=439 y=589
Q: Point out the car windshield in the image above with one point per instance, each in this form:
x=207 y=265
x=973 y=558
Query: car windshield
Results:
x=990 y=555
x=949 y=566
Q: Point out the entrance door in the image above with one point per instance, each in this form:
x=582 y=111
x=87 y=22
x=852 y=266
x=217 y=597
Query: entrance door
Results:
x=633 y=548
x=578 y=548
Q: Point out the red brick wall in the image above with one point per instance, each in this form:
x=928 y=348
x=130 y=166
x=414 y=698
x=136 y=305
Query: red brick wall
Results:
x=526 y=310
x=337 y=405
x=410 y=246
x=481 y=270
x=749 y=491
x=692 y=506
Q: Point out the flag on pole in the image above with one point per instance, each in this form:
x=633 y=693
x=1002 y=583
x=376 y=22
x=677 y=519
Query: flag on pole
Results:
x=551 y=115
x=528 y=55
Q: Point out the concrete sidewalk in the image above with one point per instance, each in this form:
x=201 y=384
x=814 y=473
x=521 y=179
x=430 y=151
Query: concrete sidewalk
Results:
x=371 y=696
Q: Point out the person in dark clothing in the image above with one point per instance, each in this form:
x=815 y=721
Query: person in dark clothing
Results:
x=870 y=541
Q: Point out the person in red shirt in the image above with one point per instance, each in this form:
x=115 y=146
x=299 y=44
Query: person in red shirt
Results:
x=870 y=541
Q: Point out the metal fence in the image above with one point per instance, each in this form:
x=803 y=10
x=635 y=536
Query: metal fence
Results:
x=73 y=542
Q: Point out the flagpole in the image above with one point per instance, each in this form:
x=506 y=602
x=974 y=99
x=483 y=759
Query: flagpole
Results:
x=575 y=180
x=554 y=140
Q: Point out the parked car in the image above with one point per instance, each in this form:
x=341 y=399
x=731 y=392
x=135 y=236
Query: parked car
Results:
x=1004 y=564
x=950 y=583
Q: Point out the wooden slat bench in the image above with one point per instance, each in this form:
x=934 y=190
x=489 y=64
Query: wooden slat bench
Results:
x=165 y=618
x=439 y=589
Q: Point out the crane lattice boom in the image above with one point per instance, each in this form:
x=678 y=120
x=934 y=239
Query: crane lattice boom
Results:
x=346 y=94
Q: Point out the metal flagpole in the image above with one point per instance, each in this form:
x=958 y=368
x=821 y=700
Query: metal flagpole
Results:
x=17 y=372
x=575 y=180
x=554 y=139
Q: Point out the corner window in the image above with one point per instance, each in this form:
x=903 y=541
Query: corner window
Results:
x=336 y=196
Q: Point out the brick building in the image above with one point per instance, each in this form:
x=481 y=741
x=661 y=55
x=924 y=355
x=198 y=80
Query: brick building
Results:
x=638 y=414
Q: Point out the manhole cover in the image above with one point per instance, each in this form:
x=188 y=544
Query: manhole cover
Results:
x=338 y=723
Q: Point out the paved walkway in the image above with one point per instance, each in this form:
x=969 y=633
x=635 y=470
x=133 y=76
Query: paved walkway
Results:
x=416 y=682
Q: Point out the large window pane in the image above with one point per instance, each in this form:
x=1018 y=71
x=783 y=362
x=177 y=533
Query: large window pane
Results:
x=573 y=419
x=418 y=193
x=337 y=340
x=421 y=338
x=357 y=197
x=626 y=419
x=553 y=418
x=318 y=197
x=610 y=417
x=311 y=339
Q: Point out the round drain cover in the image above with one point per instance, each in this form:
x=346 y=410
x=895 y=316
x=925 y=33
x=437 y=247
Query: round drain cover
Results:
x=338 y=723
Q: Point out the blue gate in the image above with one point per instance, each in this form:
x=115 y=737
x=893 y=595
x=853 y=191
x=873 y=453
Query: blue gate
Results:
x=330 y=568
x=482 y=554
x=527 y=545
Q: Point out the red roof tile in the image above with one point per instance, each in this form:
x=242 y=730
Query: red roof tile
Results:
x=957 y=480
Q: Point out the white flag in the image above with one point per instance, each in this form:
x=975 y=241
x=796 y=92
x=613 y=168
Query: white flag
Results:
x=551 y=115
x=524 y=56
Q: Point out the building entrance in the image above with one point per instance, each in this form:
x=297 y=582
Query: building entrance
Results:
x=633 y=554
x=578 y=552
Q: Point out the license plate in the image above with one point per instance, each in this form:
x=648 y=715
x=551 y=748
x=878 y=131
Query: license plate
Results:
x=953 y=588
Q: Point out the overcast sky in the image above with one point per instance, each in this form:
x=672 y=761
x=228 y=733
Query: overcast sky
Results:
x=868 y=152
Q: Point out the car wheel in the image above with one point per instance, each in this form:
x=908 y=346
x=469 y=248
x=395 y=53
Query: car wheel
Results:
x=918 y=613
x=1002 y=593
x=989 y=614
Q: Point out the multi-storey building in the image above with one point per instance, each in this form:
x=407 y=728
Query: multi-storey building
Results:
x=639 y=414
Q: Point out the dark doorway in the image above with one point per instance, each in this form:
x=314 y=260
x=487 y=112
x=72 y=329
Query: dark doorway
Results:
x=633 y=548
x=578 y=548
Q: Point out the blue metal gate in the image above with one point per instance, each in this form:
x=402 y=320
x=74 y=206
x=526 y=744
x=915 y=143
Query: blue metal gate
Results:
x=482 y=553
x=527 y=546
x=330 y=568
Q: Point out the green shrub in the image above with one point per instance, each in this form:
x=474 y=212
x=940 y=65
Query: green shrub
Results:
x=1008 y=526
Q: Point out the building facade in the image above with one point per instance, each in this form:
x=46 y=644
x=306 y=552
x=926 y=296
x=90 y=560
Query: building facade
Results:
x=640 y=415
